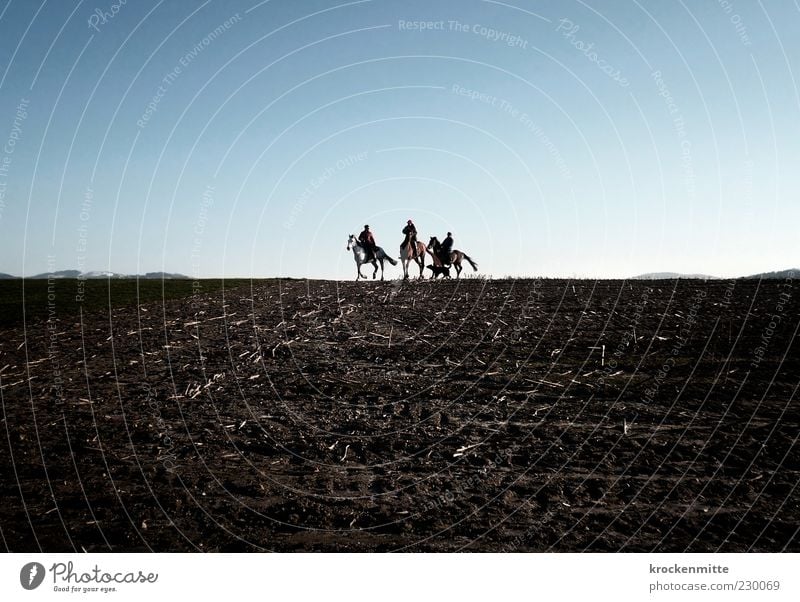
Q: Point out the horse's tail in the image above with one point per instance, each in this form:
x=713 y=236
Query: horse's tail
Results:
x=387 y=258
x=472 y=263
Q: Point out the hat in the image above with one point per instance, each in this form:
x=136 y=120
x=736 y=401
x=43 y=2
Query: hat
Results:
x=366 y=225
x=449 y=234
x=410 y=222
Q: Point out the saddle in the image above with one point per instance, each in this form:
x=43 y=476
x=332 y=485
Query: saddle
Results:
x=405 y=243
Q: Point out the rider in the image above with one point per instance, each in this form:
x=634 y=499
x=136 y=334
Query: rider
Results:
x=445 y=249
x=411 y=237
x=368 y=242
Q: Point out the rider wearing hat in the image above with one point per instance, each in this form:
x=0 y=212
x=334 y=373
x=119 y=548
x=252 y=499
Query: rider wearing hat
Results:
x=446 y=248
x=368 y=242
x=411 y=237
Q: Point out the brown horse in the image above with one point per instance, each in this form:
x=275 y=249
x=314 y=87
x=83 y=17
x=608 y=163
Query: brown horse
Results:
x=456 y=257
x=407 y=256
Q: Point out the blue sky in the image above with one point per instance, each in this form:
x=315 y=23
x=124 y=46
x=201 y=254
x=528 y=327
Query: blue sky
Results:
x=592 y=139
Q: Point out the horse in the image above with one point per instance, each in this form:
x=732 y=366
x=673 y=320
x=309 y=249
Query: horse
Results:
x=407 y=256
x=456 y=257
x=360 y=257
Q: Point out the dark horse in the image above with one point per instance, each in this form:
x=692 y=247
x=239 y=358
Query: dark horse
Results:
x=456 y=257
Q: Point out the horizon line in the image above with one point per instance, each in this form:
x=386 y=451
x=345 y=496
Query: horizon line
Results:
x=158 y=275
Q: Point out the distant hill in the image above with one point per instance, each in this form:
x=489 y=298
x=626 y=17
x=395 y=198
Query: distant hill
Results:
x=4 y=276
x=164 y=276
x=59 y=274
x=673 y=276
x=782 y=275
x=101 y=275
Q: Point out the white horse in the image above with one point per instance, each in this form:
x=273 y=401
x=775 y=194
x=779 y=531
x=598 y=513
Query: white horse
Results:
x=360 y=257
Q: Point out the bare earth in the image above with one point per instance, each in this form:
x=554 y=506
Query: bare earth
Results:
x=476 y=415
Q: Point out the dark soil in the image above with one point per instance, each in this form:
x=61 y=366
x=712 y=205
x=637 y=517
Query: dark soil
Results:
x=475 y=415
x=36 y=299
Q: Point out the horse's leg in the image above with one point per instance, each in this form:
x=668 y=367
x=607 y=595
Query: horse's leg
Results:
x=360 y=273
x=457 y=266
x=375 y=269
x=419 y=259
x=381 y=261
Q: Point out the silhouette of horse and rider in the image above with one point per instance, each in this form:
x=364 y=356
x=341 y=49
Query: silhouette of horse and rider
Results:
x=366 y=250
x=444 y=255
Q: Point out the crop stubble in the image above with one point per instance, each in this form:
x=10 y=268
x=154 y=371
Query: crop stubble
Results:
x=484 y=415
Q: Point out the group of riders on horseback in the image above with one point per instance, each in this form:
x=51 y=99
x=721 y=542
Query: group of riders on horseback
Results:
x=410 y=250
x=367 y=240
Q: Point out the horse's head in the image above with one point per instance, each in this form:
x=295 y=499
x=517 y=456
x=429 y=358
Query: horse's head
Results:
x=351 y=241
x=433 y=243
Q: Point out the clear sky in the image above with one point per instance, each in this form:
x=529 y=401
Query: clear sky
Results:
x=249 y=138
